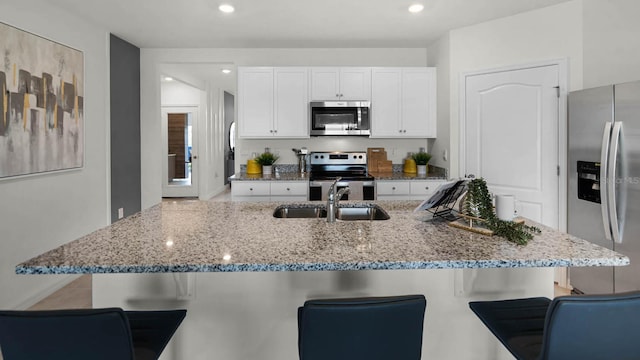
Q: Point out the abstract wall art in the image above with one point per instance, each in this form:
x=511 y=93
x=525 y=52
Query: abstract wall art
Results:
x=41 y=104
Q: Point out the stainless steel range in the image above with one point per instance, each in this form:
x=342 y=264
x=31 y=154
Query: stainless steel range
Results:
x=351 y=167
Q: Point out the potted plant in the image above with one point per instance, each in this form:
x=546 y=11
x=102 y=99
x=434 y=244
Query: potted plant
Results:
x=267 y=159
x=421 y=159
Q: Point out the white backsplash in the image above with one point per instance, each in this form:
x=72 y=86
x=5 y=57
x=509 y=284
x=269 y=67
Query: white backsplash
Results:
x=396 y=149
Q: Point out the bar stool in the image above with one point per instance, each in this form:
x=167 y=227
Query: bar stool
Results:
x=97 y=334
x=569 y=327
x=362 y=328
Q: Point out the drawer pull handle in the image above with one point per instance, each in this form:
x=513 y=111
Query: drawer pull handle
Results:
x=393 y=188
x=288 y=189
x=250 y=189
x=426 y=187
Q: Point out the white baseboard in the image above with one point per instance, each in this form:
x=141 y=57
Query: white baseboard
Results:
x=43 y=293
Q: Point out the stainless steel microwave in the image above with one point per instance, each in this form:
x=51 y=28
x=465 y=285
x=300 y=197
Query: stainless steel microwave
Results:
x=340 y=118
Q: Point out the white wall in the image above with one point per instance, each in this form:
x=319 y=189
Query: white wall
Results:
x=41 y=212
x=439 y=56
x=152 y=61
x=550 y=33
x=611 y=44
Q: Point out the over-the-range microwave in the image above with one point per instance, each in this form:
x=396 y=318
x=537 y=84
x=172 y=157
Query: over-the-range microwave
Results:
x=340 y=118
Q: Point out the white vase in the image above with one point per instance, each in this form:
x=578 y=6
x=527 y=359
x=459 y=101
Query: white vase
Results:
x=267 y=169
x=422 y=169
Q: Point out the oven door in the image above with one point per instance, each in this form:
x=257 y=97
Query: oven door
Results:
x=358 y=190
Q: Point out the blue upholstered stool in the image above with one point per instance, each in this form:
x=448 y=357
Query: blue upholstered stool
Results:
x=96 y=334
x=375 y=328
x=568 y=327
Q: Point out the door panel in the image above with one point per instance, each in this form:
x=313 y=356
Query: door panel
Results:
x=588 y=112
x=511 y=136
x=627 y=111
x=180 y=170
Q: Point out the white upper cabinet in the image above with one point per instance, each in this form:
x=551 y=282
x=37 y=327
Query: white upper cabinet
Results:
x=403 y=102
x=273 y=102
x=255 y=102
x=291 y=99
x=347 y=83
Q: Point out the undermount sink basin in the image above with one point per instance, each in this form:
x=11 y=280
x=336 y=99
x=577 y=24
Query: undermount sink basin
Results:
x=300 y=211
x=344 y=212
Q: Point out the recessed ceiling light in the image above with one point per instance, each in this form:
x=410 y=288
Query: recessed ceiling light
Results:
x=226 y=71
x=226 y=8
x=168 y=78
x=416 y=8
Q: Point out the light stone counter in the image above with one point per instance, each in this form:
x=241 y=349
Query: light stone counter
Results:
x=201 y=236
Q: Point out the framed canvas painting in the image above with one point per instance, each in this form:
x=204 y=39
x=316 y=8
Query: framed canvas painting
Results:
x=41 y=104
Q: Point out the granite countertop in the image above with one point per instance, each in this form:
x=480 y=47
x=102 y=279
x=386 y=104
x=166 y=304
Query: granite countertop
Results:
x=281 y=176
x=206 y=236
x=434 y=173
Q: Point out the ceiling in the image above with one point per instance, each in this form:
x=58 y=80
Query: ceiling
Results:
x=290 y=23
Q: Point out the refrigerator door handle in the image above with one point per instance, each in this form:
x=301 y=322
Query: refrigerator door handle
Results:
x=604 y=180
x=611 y=182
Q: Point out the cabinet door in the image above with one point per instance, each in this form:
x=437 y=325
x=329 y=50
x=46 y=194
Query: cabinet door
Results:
x=394 y=187
x=250 y=191
x=419 y=102
x=386 y=100
x=255 y=102
x=422 y=189
x=325 y=84
x=355 y=83
x=291 y=102
x=296 y=189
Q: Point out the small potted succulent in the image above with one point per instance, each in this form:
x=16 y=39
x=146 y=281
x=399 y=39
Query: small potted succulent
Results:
x=267 y=159
x=421 y=159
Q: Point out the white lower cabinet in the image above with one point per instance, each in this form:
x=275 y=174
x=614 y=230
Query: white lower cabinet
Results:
x=269 y=190
x=406 y=189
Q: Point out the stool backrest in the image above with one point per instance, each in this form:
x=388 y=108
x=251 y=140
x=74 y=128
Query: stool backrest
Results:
x=593 y=327
x=97 y=334
x=362 y=328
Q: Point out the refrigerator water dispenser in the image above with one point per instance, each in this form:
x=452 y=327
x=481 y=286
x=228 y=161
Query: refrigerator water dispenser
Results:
x=589 y=181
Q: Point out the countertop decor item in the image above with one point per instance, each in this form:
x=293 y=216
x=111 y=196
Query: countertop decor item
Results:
x=410 y=165
x=253 y=167
x=267 y=159
x=477 y=204
x=422 y=159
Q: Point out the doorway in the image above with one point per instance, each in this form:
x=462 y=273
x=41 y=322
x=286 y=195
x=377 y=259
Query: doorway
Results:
x=513 y=134
x=180 y=170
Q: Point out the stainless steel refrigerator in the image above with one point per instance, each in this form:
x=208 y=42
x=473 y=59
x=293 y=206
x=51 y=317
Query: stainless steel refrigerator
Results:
x=604 y=182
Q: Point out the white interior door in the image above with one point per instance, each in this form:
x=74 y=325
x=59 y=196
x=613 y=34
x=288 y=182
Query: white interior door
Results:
x=180 y=146
x=510 y=137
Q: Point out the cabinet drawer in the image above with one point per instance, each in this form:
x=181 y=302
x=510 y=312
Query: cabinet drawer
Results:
x=286 y=188
x=392 y=187
x=424 y=187
x=250 y=188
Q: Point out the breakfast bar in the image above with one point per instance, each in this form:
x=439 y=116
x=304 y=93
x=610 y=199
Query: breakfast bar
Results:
x=242 y=273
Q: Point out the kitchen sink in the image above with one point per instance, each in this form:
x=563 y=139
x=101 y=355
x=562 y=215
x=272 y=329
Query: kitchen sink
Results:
x=368 y=212
x=300 y=211
x=344 y=212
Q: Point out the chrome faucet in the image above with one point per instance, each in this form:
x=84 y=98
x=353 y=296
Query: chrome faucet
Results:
x=333 y=198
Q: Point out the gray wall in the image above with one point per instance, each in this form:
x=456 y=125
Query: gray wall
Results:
x=125 y=128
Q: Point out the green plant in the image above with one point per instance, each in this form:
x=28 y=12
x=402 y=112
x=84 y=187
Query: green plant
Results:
x=421 y=158
x=477 y=203
x=266 y=159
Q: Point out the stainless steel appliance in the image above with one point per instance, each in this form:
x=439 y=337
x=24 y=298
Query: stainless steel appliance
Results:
x=351 y=167
x=340 y=118
x=604 y=182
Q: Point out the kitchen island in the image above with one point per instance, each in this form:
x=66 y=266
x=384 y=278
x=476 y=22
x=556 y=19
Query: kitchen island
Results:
x=242 y=273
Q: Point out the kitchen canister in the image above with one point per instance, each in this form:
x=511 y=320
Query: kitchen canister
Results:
x=505 y=207
x=410 y=165
x=253 y=167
